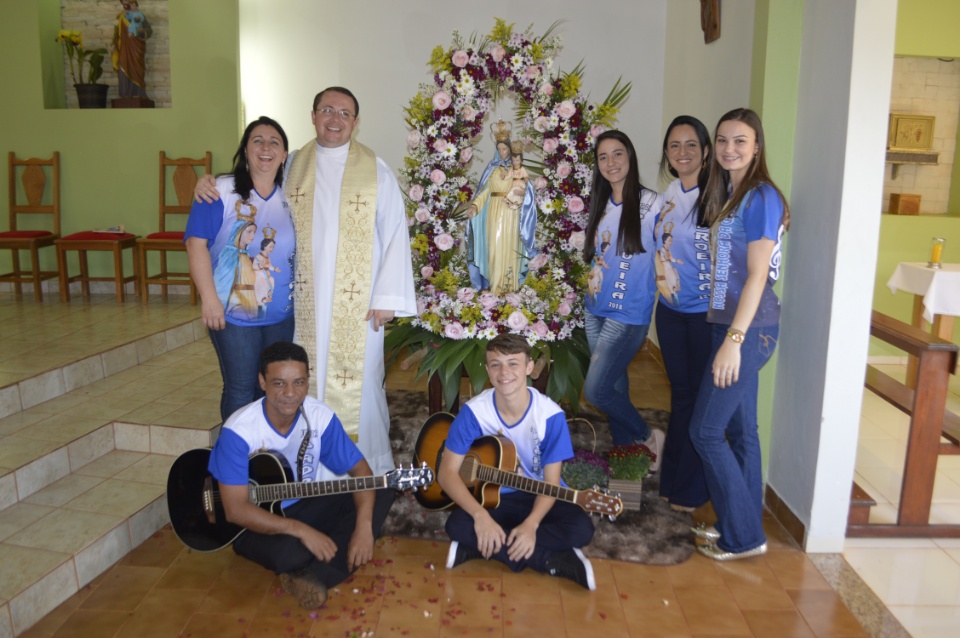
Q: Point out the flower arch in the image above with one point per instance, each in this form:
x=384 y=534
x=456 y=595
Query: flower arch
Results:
x=446 y=119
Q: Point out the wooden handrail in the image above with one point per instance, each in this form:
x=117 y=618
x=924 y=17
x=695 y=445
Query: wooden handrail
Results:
x=910 y=339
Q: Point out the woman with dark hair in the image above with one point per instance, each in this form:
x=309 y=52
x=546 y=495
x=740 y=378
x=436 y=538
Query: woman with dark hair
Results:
x=747 y=215
x=683 y=278
x=251 y=209
x=621 y=292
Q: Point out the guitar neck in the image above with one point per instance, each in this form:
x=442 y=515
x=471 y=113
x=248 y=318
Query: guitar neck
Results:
x=489 y=474
x=308 y=489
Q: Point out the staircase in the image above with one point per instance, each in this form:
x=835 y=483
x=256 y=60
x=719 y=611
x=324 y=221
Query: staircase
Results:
x=85 y=447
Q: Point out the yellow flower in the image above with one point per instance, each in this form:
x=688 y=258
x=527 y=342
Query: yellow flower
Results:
x=501 y=31
x=440 y=60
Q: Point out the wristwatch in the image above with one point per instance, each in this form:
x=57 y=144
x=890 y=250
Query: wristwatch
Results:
x=735 y=335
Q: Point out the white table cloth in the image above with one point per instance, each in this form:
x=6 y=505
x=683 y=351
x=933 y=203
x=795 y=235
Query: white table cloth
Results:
x=940 y=288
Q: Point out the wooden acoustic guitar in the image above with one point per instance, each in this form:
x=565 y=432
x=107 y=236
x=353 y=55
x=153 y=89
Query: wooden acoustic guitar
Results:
x=490 y=464
x=196 y=511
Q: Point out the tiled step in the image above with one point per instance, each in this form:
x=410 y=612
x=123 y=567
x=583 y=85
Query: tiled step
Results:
x=83 y=473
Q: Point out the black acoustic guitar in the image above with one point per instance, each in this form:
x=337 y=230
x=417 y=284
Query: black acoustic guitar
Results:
x=196 y=512
x=491 y=463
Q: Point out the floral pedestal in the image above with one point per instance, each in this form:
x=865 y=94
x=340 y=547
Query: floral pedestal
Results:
x=628 y=491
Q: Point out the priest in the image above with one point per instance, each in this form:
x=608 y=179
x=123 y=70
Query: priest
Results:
x=354 y=271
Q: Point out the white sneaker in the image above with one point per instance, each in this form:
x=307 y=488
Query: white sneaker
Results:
x=655 y=445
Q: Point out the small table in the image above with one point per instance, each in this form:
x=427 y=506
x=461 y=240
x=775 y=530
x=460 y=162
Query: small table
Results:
x=936 y=300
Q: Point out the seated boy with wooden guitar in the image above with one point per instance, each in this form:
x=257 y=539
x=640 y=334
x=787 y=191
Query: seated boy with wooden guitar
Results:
x=524 y=530
x=313 y=543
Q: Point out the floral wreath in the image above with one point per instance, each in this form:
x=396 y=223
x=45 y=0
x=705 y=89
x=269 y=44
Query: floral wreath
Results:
x=446 y=119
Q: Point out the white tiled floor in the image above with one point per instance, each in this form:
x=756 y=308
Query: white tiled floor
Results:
x=918 y=579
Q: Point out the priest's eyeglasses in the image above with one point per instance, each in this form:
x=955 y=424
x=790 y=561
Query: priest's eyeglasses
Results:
x=329 y=111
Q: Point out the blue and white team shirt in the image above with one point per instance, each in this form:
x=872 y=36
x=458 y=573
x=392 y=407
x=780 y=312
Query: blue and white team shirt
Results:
x=541 y=436
x=248 y=431
x=759 y=216
x=683 y=252
x=252 y=246
x=623 y=286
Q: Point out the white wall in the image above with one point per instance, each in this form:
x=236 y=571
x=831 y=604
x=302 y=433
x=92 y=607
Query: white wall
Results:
x=845 y=73
x=379 y=49
x=706 y=81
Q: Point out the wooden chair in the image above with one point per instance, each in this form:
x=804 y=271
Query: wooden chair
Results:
x=34 y=180
x=166 y=240
x=100 y=241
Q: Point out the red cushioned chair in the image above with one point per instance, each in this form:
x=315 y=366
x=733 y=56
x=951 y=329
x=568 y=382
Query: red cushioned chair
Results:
x=164 y=241
x=93 y=240
x=34 y=180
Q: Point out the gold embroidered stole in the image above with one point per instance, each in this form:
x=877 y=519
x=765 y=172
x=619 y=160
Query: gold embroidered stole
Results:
x=353 y=276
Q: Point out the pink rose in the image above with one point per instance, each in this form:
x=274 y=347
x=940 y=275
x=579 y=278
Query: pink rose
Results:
x=564 y=309
x=413 y=139
x=466 y=154
x=497 y=53
x=410 y=221
x=460 y=58
x=540 y=183
x=426 y=272
x=563 y=170
x=440 y=145
x=437 y=176
x=541 y=124
x=468 y=113
x=465 y=295
x=577 y=239
x=538 y=262
x=570 y=296
x=444 y=241
x=517 y=321
x=441 y=100
x=422 y=215
x=575 y=205
x=532 y=71
x=514 y=299
x=430 y=290
x=565 y=110
x=421 y=306
x=416 y=192
x=488 y=301
x=547 y=89
x=453 y=330
x=550 y=144
x=596 y=130
x=540 y=328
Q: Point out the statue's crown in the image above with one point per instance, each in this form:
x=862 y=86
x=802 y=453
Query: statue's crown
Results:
x=501 y=130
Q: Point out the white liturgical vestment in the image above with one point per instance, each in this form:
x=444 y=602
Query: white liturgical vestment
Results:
x=392 y=289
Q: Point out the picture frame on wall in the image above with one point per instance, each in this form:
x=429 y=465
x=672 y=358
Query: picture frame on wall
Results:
x=910 y=132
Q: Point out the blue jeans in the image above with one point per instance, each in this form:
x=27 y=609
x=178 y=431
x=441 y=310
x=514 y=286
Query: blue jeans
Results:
x=724 y=432
x=686 y=344
x=612 y=348
x=564 y=527
x=238 y=351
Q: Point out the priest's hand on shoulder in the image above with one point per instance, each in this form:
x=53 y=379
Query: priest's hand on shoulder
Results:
x=206 y=189
x=380 y=318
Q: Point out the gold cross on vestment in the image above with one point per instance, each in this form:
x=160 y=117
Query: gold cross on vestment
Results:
x=297 y=195
x=344 y=376
x=300 y=281
x=351 y=292
x=357 y=204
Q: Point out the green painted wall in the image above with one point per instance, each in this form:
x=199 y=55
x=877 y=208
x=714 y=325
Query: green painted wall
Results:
x=109 y=158
x=928 y=28
x=773 y=95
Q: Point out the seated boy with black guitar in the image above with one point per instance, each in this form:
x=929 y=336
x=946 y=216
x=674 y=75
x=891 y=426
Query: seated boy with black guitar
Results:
x=524 y=530
x=317 y=542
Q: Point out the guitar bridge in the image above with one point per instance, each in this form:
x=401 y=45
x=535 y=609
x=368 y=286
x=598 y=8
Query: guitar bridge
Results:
x=208 y=507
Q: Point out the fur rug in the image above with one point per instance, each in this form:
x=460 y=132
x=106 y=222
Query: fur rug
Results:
x=654 y=535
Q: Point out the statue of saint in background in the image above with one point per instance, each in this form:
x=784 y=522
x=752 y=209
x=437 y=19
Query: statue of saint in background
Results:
x=130 y=35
